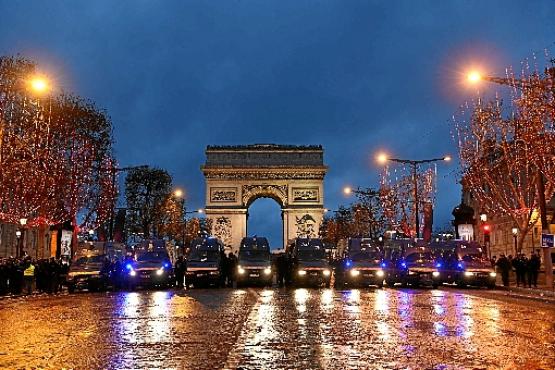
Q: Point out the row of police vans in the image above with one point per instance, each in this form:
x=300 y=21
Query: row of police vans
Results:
x=306 y=262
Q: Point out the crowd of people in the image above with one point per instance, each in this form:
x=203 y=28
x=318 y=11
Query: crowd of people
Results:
x=26 y=275
x=526 y=269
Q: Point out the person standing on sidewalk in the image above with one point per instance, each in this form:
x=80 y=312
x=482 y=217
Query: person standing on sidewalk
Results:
x=504 y=266
x=29 y=276
x=520 y=265
x=533 y=267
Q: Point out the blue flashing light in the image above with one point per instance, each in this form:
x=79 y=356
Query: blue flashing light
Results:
x=166 y=265
x=438 y=265
x=384 y=264
x=348 y=263
x=403 y=265
x=460 y=265
x=128 y=266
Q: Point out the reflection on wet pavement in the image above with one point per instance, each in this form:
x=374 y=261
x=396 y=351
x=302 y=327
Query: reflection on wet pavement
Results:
x=276 y=329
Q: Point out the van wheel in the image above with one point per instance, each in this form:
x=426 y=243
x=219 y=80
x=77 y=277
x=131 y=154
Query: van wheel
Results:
x=71 y=288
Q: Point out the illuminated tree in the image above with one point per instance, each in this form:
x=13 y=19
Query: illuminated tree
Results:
x=146 y=191
x=398 y=199
x=55 y=153
x=500 y=161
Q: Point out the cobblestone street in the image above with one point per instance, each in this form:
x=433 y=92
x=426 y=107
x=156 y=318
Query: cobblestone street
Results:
x=278 y=328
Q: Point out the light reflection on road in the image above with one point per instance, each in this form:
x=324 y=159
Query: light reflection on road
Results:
x=278 y=328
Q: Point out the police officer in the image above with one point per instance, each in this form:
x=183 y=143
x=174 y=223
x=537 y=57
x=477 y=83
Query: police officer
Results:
x=504 y=266
x=179 y=271
x=29 y=276
x=532 y=268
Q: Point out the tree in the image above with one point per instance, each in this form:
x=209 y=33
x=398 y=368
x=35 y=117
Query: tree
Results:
x=172 y=222
x=499 y=162
x=55 y=153
x=146 y=191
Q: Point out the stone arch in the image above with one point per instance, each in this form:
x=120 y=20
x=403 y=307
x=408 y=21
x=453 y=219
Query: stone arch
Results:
x=238 y=175
x=253 y=192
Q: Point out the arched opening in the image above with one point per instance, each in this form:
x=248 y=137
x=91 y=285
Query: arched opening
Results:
x=264 y=219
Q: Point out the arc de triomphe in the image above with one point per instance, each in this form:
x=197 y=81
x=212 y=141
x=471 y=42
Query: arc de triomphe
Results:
x=238 y=175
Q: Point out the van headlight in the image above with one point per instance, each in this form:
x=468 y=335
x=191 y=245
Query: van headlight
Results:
x=379 y=273
x=268 y=270
x=435 y=273
x=326 y=272
x=240 y=270
x=160 y=271
x=355 y=273
x=493 y=274
x=301 y=272
x=468 y=273
x=132 y=273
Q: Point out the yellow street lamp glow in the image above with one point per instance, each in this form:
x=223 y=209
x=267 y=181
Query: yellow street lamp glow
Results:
x=447 y=158
x=38 y=84
x=382 y=158
x=347 y=190
x=200 y=210
x=178 y=193
x=474 y=77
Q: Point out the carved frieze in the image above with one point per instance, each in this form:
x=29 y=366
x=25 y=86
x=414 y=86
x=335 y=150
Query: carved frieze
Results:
x=306 y=226
x=222 y=230
x=309 y=195
x=223 y=195
x=265 y=190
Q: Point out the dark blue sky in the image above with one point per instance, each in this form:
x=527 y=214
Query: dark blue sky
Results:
x=354 y=76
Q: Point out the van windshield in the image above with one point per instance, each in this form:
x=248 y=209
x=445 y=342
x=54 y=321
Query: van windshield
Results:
x=202 y=255
x=311 y=254
x=254 y=254
x=152 y=256
x=413 y=257
x=365 y=254
x=86 y=260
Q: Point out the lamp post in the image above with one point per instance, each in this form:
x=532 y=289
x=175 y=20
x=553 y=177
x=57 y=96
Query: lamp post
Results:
x=178 y=193
x=19 y=248
x=21 y=236
x=514 y=230
x=383 y=158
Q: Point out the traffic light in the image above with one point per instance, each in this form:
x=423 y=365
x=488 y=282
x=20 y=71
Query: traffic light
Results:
x=486 y=228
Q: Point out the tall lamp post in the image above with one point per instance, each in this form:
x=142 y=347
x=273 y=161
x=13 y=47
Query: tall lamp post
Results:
x=383 y=158
x=23 y=223
x=546 y=83
x=178 y=193
x=514 y=230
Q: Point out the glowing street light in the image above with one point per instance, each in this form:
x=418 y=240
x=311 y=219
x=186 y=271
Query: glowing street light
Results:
x=347 y=190
x=381 y=158
x=39 y=84
x=474 y=77
x=178 y=193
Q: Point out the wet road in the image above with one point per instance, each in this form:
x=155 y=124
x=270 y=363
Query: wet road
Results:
x=278 y=329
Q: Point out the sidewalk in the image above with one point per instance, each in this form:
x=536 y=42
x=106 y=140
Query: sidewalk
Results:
x=540 y=292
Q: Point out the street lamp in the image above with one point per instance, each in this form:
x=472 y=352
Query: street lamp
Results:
x=382 y=158
x=21 y=235
x=514 y=230
x=39 y=84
